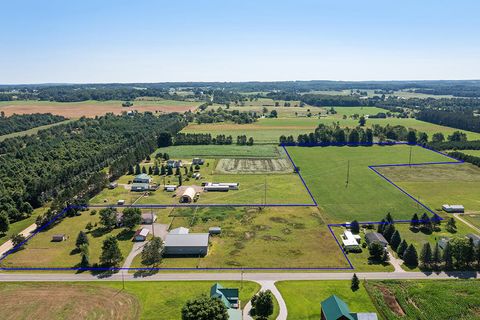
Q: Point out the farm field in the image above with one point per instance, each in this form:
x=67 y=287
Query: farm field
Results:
x=93 y=108
x=157 y=300
x=221 y=151
x=425 y=300
x=254 y=189
x=367 y=197
x=475 y=153
x=268 y=130
x=303 y=298
x=436 y=185
x=40 y=251
x=31 y=131
x=253 y=238
x=473 y=219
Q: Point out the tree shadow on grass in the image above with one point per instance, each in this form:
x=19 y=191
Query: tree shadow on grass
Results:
x=99 y=232
x=145 y=273
x=125 y=234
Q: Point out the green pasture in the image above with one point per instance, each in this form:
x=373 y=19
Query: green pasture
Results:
x=435 y=185
x=426 y=299
x=40 y=251
x=18 y=226
x=258 y=238
x=303 y=298
x=473 y=219
x=366 y=197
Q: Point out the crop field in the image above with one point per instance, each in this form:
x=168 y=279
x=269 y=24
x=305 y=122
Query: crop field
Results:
x=254 y=166
x=40 y=251
x=303 y=298
x=254 y=189
x=425 y=300
x=93 y=108
x=266 y=238
x=217 y=151
x=161 y=300
x=366 y=197
x=436 y=185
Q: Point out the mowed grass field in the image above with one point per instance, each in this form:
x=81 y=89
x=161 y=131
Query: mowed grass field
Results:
x=436 y=185
x=425 y=300
x=303 y=298
x=367 y=197
x=473 y=219
x=108 y=300
x=94 y=108
x=216 y=151
x=258 y=238
x=475 y=153
x=40 y=251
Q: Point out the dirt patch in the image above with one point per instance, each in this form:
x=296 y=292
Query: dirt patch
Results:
x=391 y=301
x=77 y=110
x=253 y=166
x=63 y=301
x=278 y=220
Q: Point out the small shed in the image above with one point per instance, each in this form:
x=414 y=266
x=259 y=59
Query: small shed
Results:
x=112 y=185
x=59 y=237
x=141 y=234
x=198 y=161
x=148 y=218
x=376 y=237
x=214 y=230
x=442 y=242
x=188 y=195
x=121 y=202
x=170 y=187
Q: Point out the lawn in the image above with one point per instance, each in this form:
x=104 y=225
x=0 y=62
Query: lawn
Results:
x=93 y=108
x=303 y=298
x=107 y=300
x=253 y=238
x=436 y=185
x=216 y=151
x=475 y=153
x=40 y=251
x=17 y=227
x=254 y=189
x=367 y=197
x=425 y=300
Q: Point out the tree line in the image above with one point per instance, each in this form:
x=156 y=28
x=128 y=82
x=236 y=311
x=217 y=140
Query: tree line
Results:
x=222 y=115
x=464 y=120
x=63 y=165
x=17 y=123
x=207 y=139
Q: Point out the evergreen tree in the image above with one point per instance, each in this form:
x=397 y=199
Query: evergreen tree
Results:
x=426 y=223
x=410 y=257
x=355 y=227
x=262 y=305
x=415 y=223
x=401 y=248
x=162 y=170
x=376 y=251
x=4 y=222
x=385 y=257
x=436 y=222
x=82 y=239
x=477 y=255
x=426 y=255
x=395 y=240
x=131 y=170
x=150 y=171
x=389 y=217
x=152 y=252
x=436 y=256
x=156 y=170
x=144 y=170
x=448 y=257
x=177 y=171
x=412 y=137
x=388 y=232
x=137 y=169
x=381 y=226
x=85 y=256
x=355 y=285
x=111 y=255
x=108 y=218
x=169 y=171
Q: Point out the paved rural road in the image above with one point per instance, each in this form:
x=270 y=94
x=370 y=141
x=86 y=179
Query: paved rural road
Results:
x=257 y=277
x=9 y=245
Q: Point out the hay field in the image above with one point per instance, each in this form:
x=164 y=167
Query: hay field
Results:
x=93 y=108
x=254 y=166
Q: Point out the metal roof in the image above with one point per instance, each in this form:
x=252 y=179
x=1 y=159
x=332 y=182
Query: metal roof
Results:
x=187 y=240
x=375 y=236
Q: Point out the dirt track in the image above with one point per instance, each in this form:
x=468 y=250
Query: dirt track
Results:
x=253 y=166
x=64 y=301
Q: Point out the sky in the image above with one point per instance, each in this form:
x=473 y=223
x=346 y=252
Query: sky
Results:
x=95 y=41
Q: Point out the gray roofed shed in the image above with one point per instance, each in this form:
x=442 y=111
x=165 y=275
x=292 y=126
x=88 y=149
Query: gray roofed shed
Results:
x=187 y=244
x=375 y=237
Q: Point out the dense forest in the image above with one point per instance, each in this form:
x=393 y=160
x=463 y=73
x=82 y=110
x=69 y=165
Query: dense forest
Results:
x=221 y=115
x=17 y=123
x=64 y=164
x=465 y=120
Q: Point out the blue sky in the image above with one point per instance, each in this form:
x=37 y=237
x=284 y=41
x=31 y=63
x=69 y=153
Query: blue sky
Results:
x=151 y=41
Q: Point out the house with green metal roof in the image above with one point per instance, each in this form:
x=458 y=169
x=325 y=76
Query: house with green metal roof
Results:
x=230 y=298
x=334 y=308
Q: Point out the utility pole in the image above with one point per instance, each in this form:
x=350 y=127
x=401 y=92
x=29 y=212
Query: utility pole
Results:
x=348 y=173
x=265 y=193
x=410 y=158
x=123 y=280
